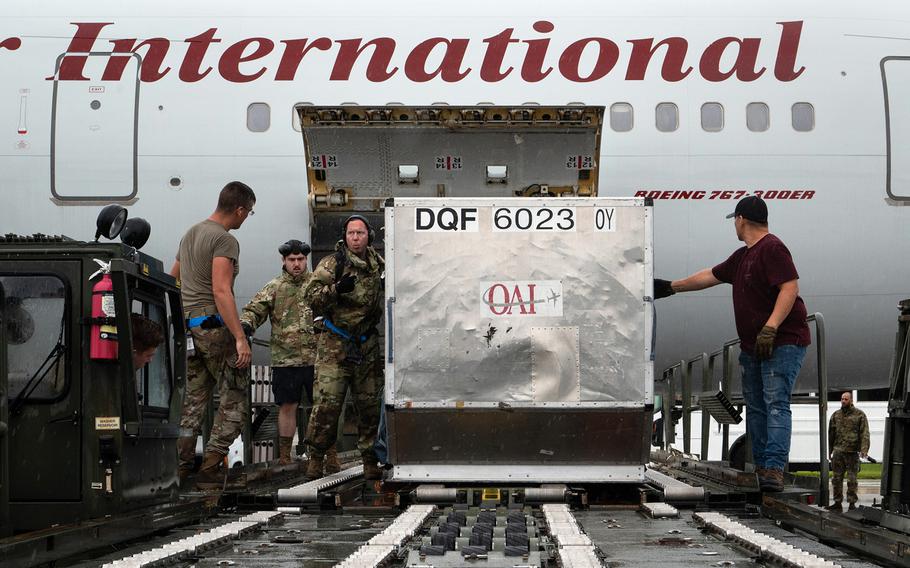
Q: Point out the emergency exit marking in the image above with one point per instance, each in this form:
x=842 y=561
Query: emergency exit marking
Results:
x=605 y=219
x=579 y=162
x=448 y=162
x=107 y=423
x=325 y=161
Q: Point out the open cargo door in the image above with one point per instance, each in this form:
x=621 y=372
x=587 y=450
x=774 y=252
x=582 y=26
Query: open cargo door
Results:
x=357 y=157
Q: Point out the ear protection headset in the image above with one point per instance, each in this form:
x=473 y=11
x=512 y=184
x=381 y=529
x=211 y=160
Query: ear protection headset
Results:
x=371 y=234
x=294 y=246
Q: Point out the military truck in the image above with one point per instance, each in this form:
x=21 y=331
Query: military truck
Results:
x=83 y=433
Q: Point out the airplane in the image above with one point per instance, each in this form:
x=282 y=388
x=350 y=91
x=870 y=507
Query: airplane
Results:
x=553 y=297
x=157 y=105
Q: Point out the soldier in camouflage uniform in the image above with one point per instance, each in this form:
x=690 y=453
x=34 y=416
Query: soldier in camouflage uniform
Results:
x=346 y=291
x=218 y=353
x=292 y=344
x=214 y=364
x=848 y=435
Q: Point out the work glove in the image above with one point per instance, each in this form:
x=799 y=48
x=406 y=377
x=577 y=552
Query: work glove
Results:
x=764 y=343
x=345 y=284
x=662 y=289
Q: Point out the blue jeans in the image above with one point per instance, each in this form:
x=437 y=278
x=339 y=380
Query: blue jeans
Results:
x=767 y=385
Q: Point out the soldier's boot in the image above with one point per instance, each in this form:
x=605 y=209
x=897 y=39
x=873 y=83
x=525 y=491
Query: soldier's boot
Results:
x=332 y=465
x=836 y=507
x=314 y=467
x=371 y=468
x=773 y=481
x=186 y=456
x=851 y=507
x=285 y=445
x=212 y=476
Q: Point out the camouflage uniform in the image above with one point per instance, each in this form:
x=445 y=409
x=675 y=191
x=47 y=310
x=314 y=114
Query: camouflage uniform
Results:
x=337 y=368
x=213 y=359
x=848 y=434
x=281 y=300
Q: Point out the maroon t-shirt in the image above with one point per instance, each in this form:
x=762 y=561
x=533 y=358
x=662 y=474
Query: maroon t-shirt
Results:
x=755 y=274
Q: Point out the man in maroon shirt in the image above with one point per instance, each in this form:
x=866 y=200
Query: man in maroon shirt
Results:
x=771 y=324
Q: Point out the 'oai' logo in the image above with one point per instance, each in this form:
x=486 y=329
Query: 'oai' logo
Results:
x=541 y=298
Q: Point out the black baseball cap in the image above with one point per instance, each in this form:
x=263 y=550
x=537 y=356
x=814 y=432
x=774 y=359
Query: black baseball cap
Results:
x=752 y=208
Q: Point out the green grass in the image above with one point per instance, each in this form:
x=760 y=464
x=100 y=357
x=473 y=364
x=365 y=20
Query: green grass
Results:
x=866 y=471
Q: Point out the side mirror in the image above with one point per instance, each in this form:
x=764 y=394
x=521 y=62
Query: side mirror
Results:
x=110 y=222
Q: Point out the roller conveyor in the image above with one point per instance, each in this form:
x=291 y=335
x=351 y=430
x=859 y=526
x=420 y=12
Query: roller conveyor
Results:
x=457 y=535
x=308 y=493
x=673 y=489
x=197 y=544
x=767 y=547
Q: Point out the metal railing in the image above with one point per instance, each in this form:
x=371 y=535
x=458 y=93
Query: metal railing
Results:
x=683 y=372
x=726 y=377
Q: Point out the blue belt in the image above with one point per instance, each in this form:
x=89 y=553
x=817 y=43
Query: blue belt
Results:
x=342 y=333
x=197 y=321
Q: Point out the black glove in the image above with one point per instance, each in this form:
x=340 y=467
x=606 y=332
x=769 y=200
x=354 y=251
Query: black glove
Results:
x=764 y=343
x=345 y=284
x=248 y=330
x=662 y=289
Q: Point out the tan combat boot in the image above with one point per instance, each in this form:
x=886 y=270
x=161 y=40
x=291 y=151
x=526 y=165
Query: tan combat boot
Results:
x=332 y=465
x=285 y=445
x=212 y=474
x=186 y=456
x=314 y=468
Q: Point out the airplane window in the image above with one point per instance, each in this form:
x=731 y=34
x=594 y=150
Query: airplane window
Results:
x=667 y=115
x=712 y=117
x=621 y=117
x=803 y=117
x=758 y=117
x=258 y=117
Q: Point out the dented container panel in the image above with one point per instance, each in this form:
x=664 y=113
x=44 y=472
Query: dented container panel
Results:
x=522 y=301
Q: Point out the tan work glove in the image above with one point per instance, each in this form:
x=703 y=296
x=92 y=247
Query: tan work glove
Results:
x=764 y=343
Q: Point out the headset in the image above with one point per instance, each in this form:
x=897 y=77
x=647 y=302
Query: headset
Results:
x=294 y=246
x=371 y=234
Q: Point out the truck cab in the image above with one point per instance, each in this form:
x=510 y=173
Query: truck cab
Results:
x=82 y=437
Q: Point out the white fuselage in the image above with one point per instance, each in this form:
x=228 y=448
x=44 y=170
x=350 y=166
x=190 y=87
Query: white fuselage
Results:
x=85 y=126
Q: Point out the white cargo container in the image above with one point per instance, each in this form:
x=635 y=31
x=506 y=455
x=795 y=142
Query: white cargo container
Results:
x=519 y=339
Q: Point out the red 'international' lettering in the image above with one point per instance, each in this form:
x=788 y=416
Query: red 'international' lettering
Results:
x=380 y=59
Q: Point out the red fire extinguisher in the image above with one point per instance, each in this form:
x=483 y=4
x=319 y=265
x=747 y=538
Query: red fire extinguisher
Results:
x=103 y=345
